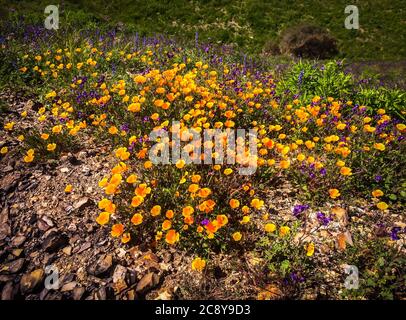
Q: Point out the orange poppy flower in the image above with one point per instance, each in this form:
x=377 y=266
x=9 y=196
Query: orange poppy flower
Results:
x=198 y=264
x=204 y=193
x=257 y=204
x=169 y=214
x=196 y=178
x=193 y=188
x=142 y=190
x=188 y=220
x=187 y=211
x=172 y=236
x=212 y=227
x=345 y=171
x=237 y=236
x=156 y=211
x=126 y=237
x=222 y=220
x=136 y=201
x=234 y=203
x=166 y=225
x=334 y=193
x=117 y=230
x=103 y=218
x=137 y=219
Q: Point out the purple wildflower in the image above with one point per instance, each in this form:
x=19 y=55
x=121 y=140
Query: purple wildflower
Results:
x=299 y=208
x=394 y=233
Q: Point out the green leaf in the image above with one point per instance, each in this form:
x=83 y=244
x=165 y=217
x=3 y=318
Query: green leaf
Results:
x=393 y=197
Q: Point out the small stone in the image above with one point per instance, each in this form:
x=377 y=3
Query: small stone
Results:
x=164 y=295
x=131 y=295
x=72 y=227
x=119 y=277
x=101 y=294
x=119 y=273
x=81 y=274
x=148 y=282
x=69 y=286
x=18 y=241
x=5 y=229
x=42 y=225
x=89 y=227
x=64 y=170
x=82 y=155
x=67 y=250
x=8 y=169
x=8 y=291
x=78 y=292
x=54 y=241
x=84 y=247
x=43 y=294
x=121 y=253
x=102 y=266
x=13 y=266
x=82 y=203
x=86 y=171
x=30 y=281
x=48 y=221
x=17 y=252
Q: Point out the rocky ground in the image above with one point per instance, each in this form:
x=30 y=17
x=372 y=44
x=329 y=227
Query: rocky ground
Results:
x=41 y=225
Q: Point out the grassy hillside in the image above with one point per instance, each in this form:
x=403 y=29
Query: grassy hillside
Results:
x=249 y=23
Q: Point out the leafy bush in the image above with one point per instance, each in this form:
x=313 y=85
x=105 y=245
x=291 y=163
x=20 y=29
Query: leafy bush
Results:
x=392 y=100
x=380 y=268
x=305 y=79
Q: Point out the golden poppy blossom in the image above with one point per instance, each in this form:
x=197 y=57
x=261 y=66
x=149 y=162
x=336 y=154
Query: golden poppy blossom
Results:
x=310 y=249
x=257 y=203
x=172 y=236
x=126 y=238
x=51 y=147
x=103 y=218
x=234 y=203
x=136 y=201
x=237 y=236
x=382 y=206
x=137 y=219
x=156 y=211
x=117 y=230
x=334 y=193
x=377 y=193
x=270 y=227
x=198 y=264
x=345 y=171
x=283 y=231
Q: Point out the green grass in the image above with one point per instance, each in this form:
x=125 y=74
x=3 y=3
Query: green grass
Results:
x=250 y=24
